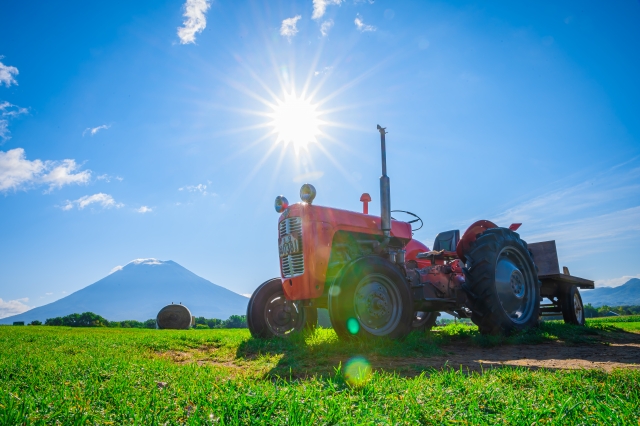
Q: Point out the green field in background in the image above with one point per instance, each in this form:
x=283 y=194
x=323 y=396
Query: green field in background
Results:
x=68 y=376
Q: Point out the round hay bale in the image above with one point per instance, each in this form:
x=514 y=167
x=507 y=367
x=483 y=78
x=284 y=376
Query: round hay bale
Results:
x=175 y=317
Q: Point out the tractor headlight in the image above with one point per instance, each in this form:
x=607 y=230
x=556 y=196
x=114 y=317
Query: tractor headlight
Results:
x=307 y=193
x=281 y=203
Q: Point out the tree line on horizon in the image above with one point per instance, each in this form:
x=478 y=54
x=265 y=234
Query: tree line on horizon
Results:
x=90 y=319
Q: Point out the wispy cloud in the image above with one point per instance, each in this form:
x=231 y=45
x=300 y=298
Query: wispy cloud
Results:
x=320 y=7
x=16 y=172
x=361 y=26
x=13 y=307
x=144 y=209
x=93 y=130
x=105 y=201
x=615 y=282
x=107 y=178
x=115 y=269
x=289 y=27
x=7 y=112
x=7 y=74
x=586 y=218
x=325 y=27
x=195 y=20
x=202 y=188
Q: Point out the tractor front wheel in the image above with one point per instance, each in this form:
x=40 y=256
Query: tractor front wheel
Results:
x=370 y=299
x=502 y=283
x=270 y=314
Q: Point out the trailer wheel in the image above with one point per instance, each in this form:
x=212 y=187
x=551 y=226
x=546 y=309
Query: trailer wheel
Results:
x=270 y=314
x=424 y=321
x=572 y=308
x=370 y=299
x=502 y=283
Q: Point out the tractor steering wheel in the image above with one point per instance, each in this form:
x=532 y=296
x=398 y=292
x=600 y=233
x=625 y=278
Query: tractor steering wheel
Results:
x=417 y=218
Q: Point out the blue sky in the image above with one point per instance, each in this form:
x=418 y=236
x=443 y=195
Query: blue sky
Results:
x=142 y=129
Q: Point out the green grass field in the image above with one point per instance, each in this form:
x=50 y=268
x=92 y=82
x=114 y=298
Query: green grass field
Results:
x=55 y=375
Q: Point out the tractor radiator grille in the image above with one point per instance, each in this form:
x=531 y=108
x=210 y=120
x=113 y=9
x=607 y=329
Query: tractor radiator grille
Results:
x=293 y=264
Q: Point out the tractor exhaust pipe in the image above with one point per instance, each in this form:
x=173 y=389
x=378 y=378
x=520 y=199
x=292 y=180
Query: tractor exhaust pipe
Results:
x=385 y=188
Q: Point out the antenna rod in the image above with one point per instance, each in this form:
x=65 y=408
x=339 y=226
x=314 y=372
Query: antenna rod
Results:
x=385 y=187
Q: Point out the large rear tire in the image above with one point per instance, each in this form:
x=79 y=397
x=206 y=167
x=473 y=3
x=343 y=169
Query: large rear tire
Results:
x=572 y=308
x=371 y=299
x=501 y=283
x=270 y=314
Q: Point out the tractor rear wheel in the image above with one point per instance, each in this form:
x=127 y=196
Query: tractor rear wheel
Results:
x=424 y=321
x=270 y=314
x=501 y=283
x=571 y=304
x=371 y=299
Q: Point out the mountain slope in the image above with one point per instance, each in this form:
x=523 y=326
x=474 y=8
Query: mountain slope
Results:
x=139 y=290
x=626 y=294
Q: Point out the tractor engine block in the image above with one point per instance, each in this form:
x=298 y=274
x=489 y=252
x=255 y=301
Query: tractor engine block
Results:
x=445 y=279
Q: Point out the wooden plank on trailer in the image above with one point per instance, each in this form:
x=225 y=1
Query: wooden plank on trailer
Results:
x=545 y=257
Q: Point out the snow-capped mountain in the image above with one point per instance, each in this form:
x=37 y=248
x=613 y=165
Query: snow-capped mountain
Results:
x=138 y=291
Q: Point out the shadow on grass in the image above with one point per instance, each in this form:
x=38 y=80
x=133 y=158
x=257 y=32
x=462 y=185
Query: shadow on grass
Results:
x=320 y=353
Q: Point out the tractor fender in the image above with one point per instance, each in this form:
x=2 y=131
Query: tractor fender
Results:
x=470 y=235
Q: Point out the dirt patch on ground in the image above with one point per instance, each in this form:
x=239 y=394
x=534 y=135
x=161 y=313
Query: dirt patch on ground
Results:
x=555 y=356
x=621 y=351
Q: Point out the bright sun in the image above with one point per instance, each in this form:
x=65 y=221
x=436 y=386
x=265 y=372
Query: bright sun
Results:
x=295 y=121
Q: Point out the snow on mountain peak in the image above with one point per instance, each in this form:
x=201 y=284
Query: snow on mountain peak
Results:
x=149 y=261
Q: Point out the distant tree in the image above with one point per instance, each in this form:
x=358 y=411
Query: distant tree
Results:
x=201 y=320
x=86 y=319
x=53 y=321
x=236 y=321
x=150 y=323
x=35 y=322
x=214 y=323
x=201 y=327
x=590 y=311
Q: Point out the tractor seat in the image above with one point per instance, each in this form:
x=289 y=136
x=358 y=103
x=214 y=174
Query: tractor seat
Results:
x=447 y=241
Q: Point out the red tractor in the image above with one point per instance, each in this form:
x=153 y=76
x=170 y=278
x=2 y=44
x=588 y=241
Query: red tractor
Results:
x=377 y=281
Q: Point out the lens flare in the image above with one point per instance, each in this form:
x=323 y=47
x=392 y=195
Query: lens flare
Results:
x=353 y=326
x=357 y=371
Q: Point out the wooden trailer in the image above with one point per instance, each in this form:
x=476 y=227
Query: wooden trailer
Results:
x=559 y=287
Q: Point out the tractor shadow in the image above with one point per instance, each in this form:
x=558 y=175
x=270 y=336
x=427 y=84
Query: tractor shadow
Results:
x=551 y=347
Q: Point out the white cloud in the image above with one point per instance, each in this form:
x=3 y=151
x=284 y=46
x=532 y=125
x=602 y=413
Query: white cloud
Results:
x=202 y=188
x=246 y=295
x=195 y=20
x=587 y=218
x=615 y=282
x=63 y=174
x=49 y=294
x=13 y=307
x=104 y=200
x=107 y=178
x=16 y=172
x=144 y=209
x=94 y=130
x=8 y=111
x=325 y=27
x=288 y=28
x=320 y=7
x=361 y=26
x=7 y=74
x=115 y=269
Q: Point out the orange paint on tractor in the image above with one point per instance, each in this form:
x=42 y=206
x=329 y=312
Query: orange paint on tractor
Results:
x=319 y=225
